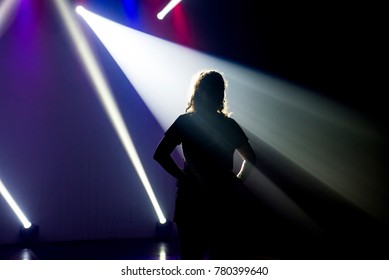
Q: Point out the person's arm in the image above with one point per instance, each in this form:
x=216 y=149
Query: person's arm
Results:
x=163 y=156
x=249 y=159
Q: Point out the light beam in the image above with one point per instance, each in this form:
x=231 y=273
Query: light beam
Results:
x=170 y=6
x=328 y=141
x=15 y=208
x=106 y=97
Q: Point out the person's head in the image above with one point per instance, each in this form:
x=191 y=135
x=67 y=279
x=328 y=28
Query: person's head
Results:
x=208 y=93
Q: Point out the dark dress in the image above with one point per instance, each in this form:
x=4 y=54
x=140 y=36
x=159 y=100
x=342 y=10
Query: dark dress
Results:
x=205 y=205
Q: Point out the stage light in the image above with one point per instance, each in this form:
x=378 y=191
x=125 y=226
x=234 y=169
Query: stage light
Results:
x=106 y=97
x=161 y=15
x=79 y=9
x=15 y=208
x=164 y=232
x=29 y=235
x=333 y=144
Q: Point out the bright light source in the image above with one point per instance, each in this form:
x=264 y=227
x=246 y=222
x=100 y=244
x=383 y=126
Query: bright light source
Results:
x=79 y=9
x=11 y=202
x=106 y=97
x=162 y=251
x=329 y=142
x=161 y=15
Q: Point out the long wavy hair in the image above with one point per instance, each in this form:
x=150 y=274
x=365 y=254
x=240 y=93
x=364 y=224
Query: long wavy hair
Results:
x=208 y=93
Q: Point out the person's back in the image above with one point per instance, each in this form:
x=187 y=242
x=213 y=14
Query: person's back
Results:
x=209 y=138
x=209 y=144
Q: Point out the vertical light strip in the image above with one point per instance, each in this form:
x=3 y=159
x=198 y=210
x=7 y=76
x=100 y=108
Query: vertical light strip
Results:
x=170 y=6
x=106 y=98
x=11 y=202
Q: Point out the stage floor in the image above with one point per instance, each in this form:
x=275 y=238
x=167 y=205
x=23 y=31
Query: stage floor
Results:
x=156 y=249
x=128 y=249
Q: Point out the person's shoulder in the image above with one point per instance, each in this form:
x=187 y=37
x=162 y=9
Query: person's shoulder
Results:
x=230 y=120
x=184 y=118
x=233 y=124
x=187 y=115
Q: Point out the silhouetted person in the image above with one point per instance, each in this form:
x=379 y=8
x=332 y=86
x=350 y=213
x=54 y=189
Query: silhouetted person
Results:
x=205 y=211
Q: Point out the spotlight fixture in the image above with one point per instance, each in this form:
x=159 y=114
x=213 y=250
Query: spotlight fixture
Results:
x=79 y=9
x=164 y=231
x=29 y=235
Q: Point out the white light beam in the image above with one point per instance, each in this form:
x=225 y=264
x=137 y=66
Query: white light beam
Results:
x=170 y=6
x=104 y=93
x=11 y=202
x=331 y=143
